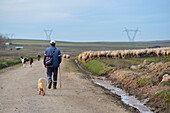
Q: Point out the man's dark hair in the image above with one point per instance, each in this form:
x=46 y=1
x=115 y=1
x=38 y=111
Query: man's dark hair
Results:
x=52 y=44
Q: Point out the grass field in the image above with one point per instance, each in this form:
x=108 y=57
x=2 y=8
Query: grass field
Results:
x=32 y=48
x=85 y=46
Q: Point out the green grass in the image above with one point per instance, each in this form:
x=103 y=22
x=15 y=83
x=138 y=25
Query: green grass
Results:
x=145 y=81
x=156 y=59
x=127 y=62
x=97 y=67
x=166 y=83
x=9 y=62
x=83 y=46
x=100 y=66
x=33 y=42
x=114 y=44
x=164 y=95
x=74 y=46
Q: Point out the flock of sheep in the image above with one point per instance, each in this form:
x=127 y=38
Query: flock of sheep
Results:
x=88 y=55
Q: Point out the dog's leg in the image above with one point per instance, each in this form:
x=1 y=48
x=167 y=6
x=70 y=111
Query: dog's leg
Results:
x=43 y=92
x=39 y=92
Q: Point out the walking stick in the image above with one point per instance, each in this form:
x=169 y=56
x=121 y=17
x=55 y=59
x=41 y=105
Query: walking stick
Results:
x=59 y=75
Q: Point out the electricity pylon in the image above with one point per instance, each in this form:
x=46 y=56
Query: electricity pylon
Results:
x=131 y=38
x=10 y=36
x=48 y=34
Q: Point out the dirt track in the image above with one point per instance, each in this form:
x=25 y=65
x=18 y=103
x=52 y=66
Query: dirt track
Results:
x=19 y=94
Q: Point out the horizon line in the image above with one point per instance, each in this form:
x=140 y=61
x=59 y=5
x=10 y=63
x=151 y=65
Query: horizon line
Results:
x=89 y=41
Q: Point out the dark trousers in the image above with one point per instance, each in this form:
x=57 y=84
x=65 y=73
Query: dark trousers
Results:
x=51 y=70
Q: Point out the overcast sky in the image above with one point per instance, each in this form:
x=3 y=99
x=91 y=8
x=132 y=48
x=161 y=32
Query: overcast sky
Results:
x=86 y=20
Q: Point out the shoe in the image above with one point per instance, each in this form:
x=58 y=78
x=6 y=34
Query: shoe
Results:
x=49 y=84
x=54 y=87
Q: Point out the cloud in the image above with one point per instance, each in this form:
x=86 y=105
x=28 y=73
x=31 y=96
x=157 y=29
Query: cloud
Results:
x=36 y=17
x=31 y=11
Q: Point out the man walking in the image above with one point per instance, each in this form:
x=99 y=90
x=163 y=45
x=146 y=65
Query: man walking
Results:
x=52 y=60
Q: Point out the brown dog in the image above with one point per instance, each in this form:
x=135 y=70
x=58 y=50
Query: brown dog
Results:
x=42 y=85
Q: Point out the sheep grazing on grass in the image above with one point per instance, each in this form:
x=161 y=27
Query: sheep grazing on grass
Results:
x=64 y=55
x=67 y=56
x=150 y=52
x=163 y=52
x=89 y=55
x=122 y=53
x=95 y=54
x=140 y=53
x=85 y=58
x=80 y=57
x=108 y=54
x=158 y=52
x=168 y=53
x=103 y=53
x=98 y=54
x=42 y=86
x=115 y=54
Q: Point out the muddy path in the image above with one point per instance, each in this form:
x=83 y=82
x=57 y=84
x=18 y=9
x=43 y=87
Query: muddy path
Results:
x=19 y=93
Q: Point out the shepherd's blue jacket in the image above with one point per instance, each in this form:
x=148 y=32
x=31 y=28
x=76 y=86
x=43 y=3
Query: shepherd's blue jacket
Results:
x=57 y=58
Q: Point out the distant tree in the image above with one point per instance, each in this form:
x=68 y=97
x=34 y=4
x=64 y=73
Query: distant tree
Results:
x=3 y=40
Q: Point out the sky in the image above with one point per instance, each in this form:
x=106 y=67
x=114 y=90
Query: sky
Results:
x=86 y=20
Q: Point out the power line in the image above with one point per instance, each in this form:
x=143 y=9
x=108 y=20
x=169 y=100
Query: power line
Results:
x=10 y=36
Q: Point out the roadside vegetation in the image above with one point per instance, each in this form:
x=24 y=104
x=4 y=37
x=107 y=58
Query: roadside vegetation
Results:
x=97 y=67
x=9 y=62
x=164 y=95
x=100 y=66
x=12 y=61
x=166 y=83
x=143 y=81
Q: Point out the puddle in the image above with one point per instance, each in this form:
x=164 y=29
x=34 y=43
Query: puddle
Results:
x=129 y=100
